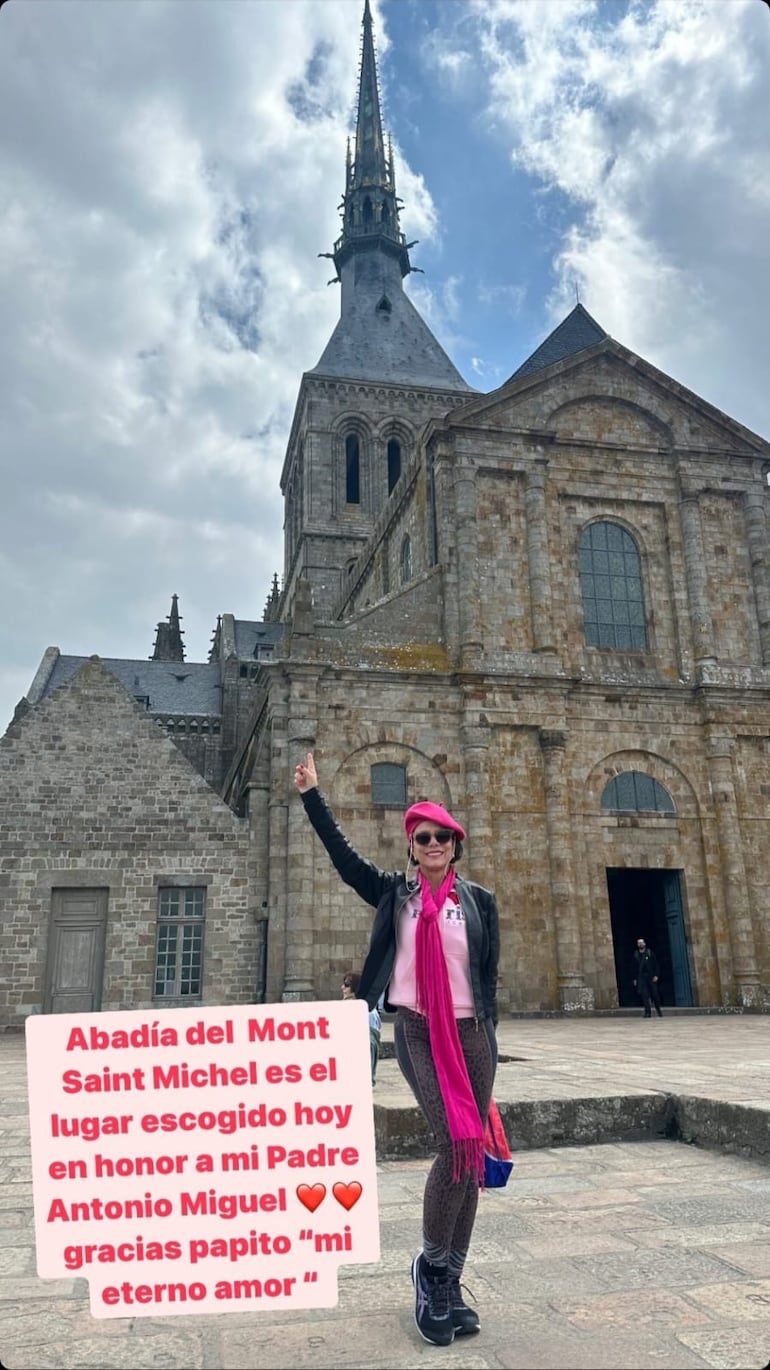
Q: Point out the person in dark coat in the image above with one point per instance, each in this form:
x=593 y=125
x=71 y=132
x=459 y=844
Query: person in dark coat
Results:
x=647 y=979
x=434 y=951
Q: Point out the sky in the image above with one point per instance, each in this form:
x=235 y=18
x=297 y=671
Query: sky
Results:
x=170 y=171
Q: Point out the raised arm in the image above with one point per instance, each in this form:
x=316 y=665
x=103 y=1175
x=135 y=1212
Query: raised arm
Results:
x=363 y=876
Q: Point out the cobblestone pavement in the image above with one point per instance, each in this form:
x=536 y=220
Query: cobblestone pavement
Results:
x=606 y=1256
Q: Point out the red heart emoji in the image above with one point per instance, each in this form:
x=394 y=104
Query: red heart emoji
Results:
x=312 y=1195
x=347 y=1194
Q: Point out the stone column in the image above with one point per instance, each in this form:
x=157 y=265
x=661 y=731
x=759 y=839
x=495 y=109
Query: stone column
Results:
x=697 y=582
x=467 y=560
x=475 y=741
x=277 y=817
x=538 y=561
x=301 y=732
x=756 y=529
x=574 y=994
x=442 y=537
x=736 y=894
x=259 y=820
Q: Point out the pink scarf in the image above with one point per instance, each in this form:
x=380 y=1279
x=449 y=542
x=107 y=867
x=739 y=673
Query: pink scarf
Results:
x=434 y=1000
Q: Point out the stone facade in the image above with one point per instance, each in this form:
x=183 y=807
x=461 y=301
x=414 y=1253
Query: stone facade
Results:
x=100 y=811
x=476 y=677
x=547 y=608
x=325 y=534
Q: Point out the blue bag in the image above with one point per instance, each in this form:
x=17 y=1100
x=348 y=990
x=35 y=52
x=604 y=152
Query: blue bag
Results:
x=498 y=1161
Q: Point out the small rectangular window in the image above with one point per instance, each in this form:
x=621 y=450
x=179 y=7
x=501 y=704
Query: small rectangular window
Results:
x=389 y=785
x=179 y=947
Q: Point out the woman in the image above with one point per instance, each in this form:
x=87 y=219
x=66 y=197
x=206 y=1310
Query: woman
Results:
x=434 y=949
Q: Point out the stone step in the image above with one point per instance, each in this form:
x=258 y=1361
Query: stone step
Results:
x=742 y=1129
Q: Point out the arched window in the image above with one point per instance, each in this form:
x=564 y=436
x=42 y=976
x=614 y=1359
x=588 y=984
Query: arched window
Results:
x=405 y=560
x=389 y=784
x=611 y=586
x=368 y=212
x=394 y=463
x=635 y=792
x=352 y=470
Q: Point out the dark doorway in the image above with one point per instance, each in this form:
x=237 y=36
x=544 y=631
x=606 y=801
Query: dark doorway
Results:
x=648 y=904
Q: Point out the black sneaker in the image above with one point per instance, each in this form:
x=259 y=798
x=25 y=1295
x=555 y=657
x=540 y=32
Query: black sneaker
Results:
x=465 y=1319
x=433 y=1305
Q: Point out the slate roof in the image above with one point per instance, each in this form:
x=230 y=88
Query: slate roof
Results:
x=173 y=687
x=380 y=335
x=250 y=635
x=572 y=335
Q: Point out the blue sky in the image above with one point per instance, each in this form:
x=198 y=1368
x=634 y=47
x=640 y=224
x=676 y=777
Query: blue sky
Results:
x=170 y=171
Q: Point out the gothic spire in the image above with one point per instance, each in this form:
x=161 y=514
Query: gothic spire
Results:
x=380 y=334
x=168 y=637
x=370 y=166
x=272 y=601
x=370 y=205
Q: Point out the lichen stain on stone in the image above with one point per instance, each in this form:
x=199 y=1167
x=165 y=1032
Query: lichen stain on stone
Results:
x=415 y=656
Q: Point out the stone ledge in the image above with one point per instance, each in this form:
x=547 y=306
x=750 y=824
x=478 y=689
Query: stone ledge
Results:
x=719 y=1125
x=402 y=1132
x=741 y=1129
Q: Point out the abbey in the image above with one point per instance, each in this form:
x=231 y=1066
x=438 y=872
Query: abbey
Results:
x=547 y=608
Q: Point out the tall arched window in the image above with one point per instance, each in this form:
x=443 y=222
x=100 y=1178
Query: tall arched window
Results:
x=611 y=586
x=352 y=470
x=635 y=792
x=394 y=463
x=405 y=559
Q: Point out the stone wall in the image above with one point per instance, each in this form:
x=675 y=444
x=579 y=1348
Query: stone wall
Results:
x=479 y=680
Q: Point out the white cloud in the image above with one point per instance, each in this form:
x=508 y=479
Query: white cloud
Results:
x=440 y=307
x=169 y=174
x=651 y=120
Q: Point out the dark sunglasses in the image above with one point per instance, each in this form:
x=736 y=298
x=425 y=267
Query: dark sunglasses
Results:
x=442 y=835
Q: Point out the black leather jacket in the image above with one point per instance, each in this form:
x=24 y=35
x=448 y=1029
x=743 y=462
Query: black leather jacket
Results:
x=387 y=892
x=646 y=965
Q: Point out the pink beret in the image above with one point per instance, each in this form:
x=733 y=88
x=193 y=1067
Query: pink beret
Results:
x=431 y=813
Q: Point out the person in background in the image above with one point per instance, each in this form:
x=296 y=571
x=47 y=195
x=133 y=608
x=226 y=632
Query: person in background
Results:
x=434 y=950
x=647 y=978
x=350 y=984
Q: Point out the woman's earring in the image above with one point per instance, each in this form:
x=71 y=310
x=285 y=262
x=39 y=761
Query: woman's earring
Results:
x=410 y=862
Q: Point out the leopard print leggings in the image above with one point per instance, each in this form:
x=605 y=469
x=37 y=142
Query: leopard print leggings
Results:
x=449 y=1209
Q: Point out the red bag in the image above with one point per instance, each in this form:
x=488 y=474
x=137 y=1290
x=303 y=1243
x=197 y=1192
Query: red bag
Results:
x=498 y=1161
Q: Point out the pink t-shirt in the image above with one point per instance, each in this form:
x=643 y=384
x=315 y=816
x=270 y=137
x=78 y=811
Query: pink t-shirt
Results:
x=454 y=938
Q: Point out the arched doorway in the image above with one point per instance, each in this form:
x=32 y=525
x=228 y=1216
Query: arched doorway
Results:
x=648 y=903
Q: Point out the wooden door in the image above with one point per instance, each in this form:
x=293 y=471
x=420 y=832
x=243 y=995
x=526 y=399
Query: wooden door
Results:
x=76 y=951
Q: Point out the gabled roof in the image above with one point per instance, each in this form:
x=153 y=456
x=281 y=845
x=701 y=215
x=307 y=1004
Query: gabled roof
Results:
x=172 y=687
x=572 y=335
x=578 y=340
